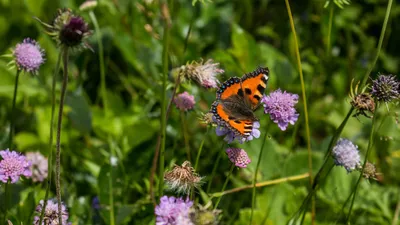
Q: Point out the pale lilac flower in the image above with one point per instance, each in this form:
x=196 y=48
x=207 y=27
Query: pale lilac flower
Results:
x=172 y=209
x=28 y=56
x=51 y=213
x=238 y=157
x=230 y=136
x=39 y=166
x=280 y=106
x=204 y=73
x=386 y=88
x=346 y=154
x=13 y=165
x=184 y=101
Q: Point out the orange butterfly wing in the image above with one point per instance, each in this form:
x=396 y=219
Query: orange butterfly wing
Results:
x=254 y=84
x=239 y=127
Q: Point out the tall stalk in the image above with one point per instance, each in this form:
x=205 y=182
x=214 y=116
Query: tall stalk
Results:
x=65 y=51
x=101 y=60
x=304 y=97
x=328 y=42
x=11 y=131
x=50 y=160
x=370 y=143
x=167 y=27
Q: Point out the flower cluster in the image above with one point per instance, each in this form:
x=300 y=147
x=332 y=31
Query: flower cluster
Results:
x=346 y=154
x=13 y=166
x=386 y=88
x=51 y=213
x=238 y=157
x=173 y=211
x=28 y=56
x=280 y=106
x=184 y=101
x=39 y=166
x=204 y=73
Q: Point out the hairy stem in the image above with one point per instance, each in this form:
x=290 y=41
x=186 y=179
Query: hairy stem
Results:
x=200 y=149
x=185 y=136
x=214 y=170
x=304 y=97
x=58 y=140
x=53 y=107
x=11 y=131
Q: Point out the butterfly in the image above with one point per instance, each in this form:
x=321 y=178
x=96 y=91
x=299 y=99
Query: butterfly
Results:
x=237 y=99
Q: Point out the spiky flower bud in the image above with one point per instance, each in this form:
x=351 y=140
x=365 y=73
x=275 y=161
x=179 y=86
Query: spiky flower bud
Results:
x=238 y=157
x=182 y=178
x=386 y=88
x=203 y=72
x=69 y=30
x=202 y=216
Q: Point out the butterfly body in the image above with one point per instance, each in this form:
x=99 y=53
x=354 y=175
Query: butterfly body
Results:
x=237 y=99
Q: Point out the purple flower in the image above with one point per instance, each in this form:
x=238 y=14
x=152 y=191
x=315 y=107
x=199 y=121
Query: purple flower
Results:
x=204 y=73
x=28 y=56
x=13 y=165
x=51 y=213
x=238 y=157
x=184 y=101
x=346 y=154
x=386 y=88
x=280 y=106
x=230 y=136
x=170 y=208
x=39 y=166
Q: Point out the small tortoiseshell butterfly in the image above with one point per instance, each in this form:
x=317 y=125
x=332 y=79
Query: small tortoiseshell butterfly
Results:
x=237 y=99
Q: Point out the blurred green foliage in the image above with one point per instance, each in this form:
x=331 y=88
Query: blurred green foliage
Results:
x=240 y=35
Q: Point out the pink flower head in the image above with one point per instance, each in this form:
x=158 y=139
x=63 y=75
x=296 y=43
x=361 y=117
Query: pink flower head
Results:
x=238 y=157
x=39 y=166
x=280 y=106
x=50 y=216
x=13 y=165
x=184 y=101
x=172 y=209
x=28 y=56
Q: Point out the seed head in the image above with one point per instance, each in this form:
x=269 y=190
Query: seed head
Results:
x=183 y=178
x=363 y=102
x=204 y=73
x=369 y=171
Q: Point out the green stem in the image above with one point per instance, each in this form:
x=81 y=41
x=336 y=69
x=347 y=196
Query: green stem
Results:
x=185 y=136
x=200 y=149
x=110 y=184
x=58 y=140
x=53 y=107
x=370 y=143
x=328 y=44
x=11 y=134
x=385 y=21
x=224 y=186
x=214 y=170
x=304 y=97
x=101 y=60
x=167 y=27
x=253 y=195
x=7 y=195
